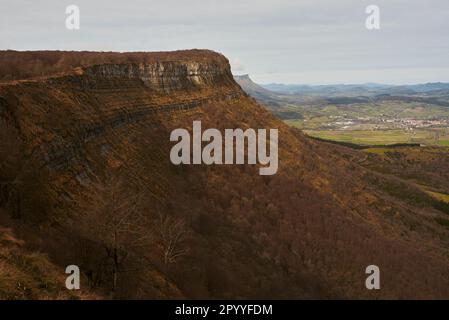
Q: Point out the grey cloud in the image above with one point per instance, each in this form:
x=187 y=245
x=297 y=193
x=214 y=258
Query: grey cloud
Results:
x=322 y=41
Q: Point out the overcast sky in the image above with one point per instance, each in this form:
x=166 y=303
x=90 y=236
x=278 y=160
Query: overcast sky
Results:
x=288 y=41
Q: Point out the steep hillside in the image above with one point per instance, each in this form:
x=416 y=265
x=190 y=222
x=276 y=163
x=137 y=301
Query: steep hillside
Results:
x=26 y=274
x=86 y=170
x=253 y=89
x=269 y=99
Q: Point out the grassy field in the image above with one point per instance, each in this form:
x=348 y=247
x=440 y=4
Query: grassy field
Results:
x=370 y=127
x=434 y=194
x=439 y=196
x=381 y=137
x=391 y=109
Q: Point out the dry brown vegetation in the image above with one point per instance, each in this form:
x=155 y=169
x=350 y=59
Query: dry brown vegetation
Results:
x=18 y=65
x=140 y=227
x=30 y=275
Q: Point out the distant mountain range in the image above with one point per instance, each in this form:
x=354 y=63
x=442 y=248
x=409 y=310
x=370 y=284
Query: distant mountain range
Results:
x=358 y=89
x=276 y=95
x=290 y=102
x=346 y=90
x=258 y=92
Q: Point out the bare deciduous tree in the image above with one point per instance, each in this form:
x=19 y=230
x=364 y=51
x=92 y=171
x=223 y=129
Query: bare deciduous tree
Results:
x=21 y=173
x=114 y=218
x=172 y=233
x=11 y=154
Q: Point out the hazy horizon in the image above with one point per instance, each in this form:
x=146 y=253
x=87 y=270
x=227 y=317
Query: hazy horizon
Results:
x=339 y=83
x=284 y=41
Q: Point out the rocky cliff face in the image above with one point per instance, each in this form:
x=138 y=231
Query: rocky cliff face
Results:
x=165 y=76
x=58 y=115
x=308 y=231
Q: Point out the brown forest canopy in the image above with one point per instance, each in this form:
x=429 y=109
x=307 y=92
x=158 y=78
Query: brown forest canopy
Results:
x=18 y=65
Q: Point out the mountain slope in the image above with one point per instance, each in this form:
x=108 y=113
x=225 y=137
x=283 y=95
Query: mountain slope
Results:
x=252 y=88
x=308 y=231
x=25 y=274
